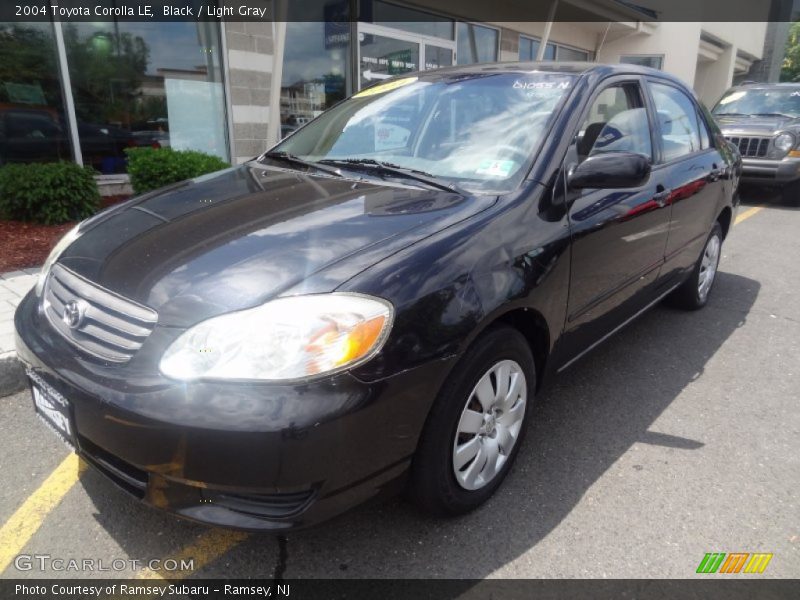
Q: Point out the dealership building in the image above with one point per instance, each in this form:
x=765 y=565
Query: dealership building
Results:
x=85 y=91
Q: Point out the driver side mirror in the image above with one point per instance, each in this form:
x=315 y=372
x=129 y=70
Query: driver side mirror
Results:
x=611 y=170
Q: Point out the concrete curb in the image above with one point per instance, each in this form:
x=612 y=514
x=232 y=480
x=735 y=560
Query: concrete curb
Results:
x=12 y=374
x=13 y=287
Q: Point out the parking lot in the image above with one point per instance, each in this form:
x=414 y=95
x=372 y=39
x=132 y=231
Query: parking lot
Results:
x=678 y=437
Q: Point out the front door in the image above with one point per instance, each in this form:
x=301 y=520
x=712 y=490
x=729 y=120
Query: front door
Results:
x=618 y=235
x=385 y=52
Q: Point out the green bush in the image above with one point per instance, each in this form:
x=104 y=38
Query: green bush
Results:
x=48 y=193
x=152 y=168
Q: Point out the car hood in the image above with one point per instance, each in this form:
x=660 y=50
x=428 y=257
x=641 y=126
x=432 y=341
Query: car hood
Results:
x=239 y=237
x=756 y=125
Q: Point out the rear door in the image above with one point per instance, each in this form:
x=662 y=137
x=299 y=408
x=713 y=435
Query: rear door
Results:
x=693 y=171
x=618 y=235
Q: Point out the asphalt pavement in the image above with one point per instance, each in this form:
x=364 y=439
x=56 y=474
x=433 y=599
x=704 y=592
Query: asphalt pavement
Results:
x=678 y=437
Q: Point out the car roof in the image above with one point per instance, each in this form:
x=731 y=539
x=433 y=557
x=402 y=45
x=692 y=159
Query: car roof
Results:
x=550 y=66
x=758 y=85
x=601 y=70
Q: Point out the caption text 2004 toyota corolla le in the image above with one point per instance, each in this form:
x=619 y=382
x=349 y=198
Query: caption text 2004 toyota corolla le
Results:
x=376 y=300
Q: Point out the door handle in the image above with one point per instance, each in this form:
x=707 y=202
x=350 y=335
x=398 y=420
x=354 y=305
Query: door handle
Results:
x=662 y=196
x=715 y=172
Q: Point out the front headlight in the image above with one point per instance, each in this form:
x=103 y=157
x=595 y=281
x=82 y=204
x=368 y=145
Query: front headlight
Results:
x=784 y=142
x=286 y=339
x=62 y=244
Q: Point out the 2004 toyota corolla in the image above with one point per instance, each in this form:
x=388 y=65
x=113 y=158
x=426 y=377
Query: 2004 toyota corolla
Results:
x=374 y=302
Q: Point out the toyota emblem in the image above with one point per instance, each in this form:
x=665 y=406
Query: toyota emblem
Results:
x=73 y=313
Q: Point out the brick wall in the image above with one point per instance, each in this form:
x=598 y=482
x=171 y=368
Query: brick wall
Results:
x=250 y=64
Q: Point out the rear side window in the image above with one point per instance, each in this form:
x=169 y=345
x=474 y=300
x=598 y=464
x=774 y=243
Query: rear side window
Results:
x=705 y=139
x=616 y=122
x=677 y=120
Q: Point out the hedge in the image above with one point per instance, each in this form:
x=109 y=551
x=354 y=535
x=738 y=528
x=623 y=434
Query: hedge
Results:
x=152 y=168
x=48 y=193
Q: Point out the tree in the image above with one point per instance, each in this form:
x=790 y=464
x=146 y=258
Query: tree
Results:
x=28 y=57
x=107 y=69
x=791 y=62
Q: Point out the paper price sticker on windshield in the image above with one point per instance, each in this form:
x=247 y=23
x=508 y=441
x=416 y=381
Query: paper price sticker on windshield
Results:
x=385 y=87
x=495 y=168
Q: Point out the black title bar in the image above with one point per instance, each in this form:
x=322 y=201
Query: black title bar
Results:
x=705 y=587
x=360 y=10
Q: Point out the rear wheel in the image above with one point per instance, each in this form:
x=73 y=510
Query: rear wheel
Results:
x=693 y=293
x=790 y=194
x=476 y=425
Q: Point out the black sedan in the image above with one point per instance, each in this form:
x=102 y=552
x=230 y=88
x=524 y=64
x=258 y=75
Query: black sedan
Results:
x=373 y=304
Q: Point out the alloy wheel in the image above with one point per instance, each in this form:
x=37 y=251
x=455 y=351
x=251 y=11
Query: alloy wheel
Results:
x=708 y=267
x=489 y=425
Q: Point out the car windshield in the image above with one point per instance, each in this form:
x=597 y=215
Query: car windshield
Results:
x=760 y=101
x=477 y=131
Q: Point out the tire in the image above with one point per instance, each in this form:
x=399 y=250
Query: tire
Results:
x=691 y=295
x=435 y=483
x=790 y=194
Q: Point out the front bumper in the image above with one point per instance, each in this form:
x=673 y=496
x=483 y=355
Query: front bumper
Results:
x=250 y=456
x=761 y=170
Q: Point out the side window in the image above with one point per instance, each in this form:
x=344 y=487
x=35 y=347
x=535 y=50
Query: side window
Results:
x=705 y=140
x=711 y=128
x=677 y=118
x=616 y=122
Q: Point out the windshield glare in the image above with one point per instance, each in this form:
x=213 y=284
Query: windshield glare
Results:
x=760 y=101
x=479 y=131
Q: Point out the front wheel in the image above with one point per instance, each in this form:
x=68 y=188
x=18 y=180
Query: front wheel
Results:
x=476 y=425
x=693 y=293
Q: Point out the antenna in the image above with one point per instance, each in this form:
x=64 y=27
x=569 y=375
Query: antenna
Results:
x=603 y=41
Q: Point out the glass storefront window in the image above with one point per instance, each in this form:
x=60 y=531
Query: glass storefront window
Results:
x=411 y=20
x=315 y=59
x=33 y=124
x=476 y=44
x=653 y=61
x=529 y=49
x=566 y=53
x=383 y=57
x=146 y=84
x=436 y=57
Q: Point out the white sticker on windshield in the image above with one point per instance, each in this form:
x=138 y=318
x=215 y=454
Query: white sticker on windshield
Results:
x=734 y=96
x=495 y=168
x=563 y=84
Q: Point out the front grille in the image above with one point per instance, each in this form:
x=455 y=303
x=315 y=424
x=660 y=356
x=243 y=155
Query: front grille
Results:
x=98 y=322
x=750 y=146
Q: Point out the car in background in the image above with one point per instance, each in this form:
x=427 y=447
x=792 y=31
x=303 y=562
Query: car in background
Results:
x=375 y=301
x=763 y=121
x=40 y=134
x=32 y=134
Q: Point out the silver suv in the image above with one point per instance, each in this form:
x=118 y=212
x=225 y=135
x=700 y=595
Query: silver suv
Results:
x=763 y=121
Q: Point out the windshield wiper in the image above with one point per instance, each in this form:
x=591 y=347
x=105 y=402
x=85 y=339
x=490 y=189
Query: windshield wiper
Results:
x=774 y=115
x=727 y=114
x=296 y=160
x=398 y=171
